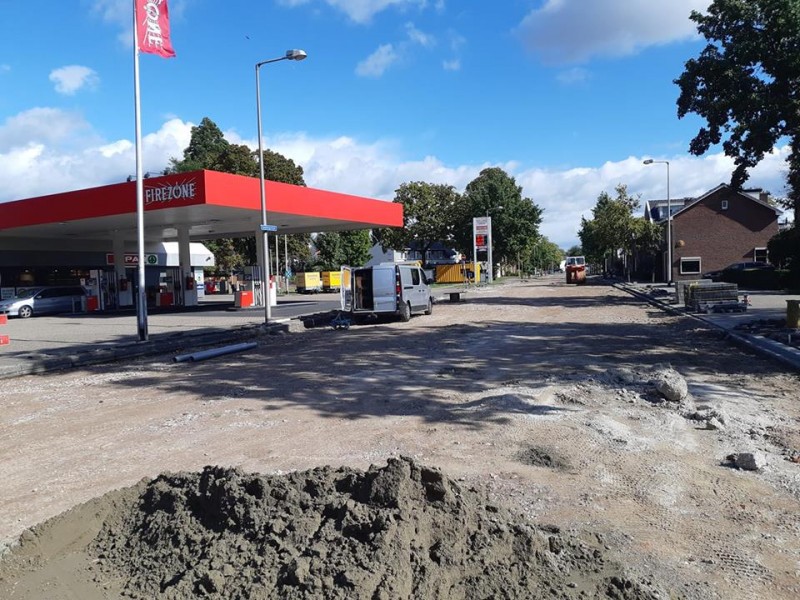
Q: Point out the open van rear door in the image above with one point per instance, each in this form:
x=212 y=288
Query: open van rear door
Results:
x=346 y=288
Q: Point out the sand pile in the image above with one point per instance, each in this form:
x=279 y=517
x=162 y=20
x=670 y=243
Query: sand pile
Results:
x=400 y=531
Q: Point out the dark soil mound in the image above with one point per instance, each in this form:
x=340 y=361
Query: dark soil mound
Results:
x=401 y=531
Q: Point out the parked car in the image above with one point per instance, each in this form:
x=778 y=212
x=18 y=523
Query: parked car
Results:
x=45 y=300
x=738 y=267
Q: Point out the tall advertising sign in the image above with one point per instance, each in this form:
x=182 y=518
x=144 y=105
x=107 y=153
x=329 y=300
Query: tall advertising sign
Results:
x=482 y=241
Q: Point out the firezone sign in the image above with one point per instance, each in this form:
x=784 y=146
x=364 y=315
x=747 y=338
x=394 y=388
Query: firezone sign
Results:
x=481 y=232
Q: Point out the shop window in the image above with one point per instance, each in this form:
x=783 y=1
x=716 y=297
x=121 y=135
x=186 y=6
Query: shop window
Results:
x=724 y=205
x=760 y=254
x=690 y=266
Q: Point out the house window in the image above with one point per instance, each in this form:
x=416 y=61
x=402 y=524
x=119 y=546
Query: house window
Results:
x=724 y=205
x=760 y=254
x=690 y=266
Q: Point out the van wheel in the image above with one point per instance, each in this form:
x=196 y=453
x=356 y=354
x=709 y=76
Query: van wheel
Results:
x=25 y=312
x=429 y=310
x=405 y=312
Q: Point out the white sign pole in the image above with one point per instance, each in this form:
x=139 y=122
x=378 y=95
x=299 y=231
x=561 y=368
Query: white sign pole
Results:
x=490 y=271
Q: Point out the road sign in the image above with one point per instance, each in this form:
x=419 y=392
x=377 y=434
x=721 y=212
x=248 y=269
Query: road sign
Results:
x=269 y=228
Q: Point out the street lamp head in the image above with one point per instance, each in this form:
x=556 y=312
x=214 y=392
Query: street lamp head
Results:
x=649 y=161
x=296 y=54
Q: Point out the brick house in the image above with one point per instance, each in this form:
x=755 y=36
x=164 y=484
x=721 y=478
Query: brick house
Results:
x=721 y=227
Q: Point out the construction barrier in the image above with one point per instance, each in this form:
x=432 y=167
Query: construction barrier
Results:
x=307 y=283
x=458 y=273
x=165 y=299
x=243 y=299
x=4 y=339
x=331 y=281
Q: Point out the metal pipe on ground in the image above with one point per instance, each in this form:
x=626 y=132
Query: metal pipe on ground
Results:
x=214 y=352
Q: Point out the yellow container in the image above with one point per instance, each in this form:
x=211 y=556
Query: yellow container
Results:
x=307 y=283
x=331 y=281
x=458 y=273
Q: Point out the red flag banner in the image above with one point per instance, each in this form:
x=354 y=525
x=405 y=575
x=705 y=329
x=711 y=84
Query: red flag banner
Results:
x=152 y=25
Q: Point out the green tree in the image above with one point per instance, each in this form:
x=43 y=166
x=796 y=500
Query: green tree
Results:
x=746 y=84
x=206 y=144
x=343 y=248
x=515 y=220
x=613 y=228
x=279 y=168
x=208 y=149
x=428 y=216
x=545 y=255
x=356 y=246
x=330 y=254
x=227 y=258
x=648 y=238
x=784 y=249
x=575 y=251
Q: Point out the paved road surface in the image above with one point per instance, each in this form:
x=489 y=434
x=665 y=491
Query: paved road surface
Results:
x=43 y=343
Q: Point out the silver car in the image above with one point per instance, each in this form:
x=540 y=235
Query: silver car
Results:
x=45 y=300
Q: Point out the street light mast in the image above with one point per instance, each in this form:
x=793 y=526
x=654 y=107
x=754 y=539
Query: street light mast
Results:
x=265 y=287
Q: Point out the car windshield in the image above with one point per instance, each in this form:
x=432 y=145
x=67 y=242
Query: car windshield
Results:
x=27 y=293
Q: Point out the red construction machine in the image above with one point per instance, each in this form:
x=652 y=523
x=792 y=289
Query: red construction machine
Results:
x=576 y=269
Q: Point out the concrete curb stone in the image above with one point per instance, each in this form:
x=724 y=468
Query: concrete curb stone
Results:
x=39 y=363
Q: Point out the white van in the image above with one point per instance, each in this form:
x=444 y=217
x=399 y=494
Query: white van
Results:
x=388 y=288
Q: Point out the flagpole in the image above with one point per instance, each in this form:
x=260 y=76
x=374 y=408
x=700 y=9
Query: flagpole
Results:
x=141 y=296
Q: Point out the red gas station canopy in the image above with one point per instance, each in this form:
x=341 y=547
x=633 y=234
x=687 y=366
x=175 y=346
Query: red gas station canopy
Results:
x=209 y=203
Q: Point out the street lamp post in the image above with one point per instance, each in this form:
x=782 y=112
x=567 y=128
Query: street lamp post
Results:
x=290 y=55
x=650 y=161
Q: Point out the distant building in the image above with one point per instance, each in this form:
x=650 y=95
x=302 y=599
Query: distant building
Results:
x=721 y=227
x=437 y=254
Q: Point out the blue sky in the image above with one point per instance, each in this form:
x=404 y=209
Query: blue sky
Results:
x=568 y=96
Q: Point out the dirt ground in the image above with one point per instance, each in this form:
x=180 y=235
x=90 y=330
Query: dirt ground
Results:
x=541 y=393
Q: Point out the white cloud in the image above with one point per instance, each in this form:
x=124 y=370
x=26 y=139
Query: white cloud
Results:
x=569 y=31
x=117 y=12
x=44 y=151
x=418 y=37
x=376 y=63
x=40 y=126
x=72 y=78
x=573 y=76
x=387 y=55
x=362 y=11
x=451 y=65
